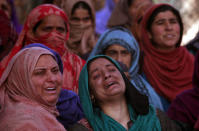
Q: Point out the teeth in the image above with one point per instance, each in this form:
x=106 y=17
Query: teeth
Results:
x=51 y=88
x=110 y=84
x=169 y=36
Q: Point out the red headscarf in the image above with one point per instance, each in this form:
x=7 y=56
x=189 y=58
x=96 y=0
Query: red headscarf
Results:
x=54 y=40
x=169 y=72
x=185 y=107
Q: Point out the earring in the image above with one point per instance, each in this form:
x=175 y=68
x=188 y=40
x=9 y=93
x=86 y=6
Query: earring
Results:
x=93 y=100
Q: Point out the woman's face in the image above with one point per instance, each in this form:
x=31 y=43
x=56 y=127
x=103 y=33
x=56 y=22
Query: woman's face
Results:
x=47 y=79
x=49 y=24
x=119 y=53
x=165 y=31
x=81 y=17
x=105 y=80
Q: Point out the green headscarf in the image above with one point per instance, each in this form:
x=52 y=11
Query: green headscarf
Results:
x=141 y=113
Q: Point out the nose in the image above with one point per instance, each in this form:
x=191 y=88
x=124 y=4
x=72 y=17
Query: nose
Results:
x=107 y=75
x=51 y=77
x=119 y=58
x=168 y=26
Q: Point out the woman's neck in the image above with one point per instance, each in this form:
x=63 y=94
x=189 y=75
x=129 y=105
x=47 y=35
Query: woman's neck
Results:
x=118 y=110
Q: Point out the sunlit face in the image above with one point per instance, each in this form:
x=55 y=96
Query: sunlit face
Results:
x=105 y=80
x=51 y=23
x=47 y=79
x=81 y=17
x=165 y=31
x=119 y=53
x=5 y=7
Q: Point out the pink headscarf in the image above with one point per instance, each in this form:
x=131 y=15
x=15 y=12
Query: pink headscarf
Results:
x=21 y=106
x=54 y=40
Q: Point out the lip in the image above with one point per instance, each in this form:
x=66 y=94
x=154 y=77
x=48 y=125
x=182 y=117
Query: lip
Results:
x=110 y=84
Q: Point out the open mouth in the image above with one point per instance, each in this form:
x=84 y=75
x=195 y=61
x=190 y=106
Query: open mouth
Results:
x=169 y=36
x=110 y=85
x=51 y=89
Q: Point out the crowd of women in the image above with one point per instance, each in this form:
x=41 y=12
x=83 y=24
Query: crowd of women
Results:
x=64 y=70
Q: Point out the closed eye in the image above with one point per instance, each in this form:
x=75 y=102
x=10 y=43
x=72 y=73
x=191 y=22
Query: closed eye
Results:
x=39 y=72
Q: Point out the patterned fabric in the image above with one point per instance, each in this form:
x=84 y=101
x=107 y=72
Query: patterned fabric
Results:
x=21 y=106
x=143 y=116
x=169 y=72
x=123 y=37
x=185 y=107
x=54 y=40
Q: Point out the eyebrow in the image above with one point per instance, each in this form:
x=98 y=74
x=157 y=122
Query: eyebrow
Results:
x=41 y=68
x=96 y=69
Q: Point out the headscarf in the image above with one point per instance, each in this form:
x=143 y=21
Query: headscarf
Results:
x=185 y=107
x=68 y=104
x=124 y=38
x=79 y=33
x=122 y=16
x=143 y=116
x=169 y=72
x=18 y=92
x=8 y=35
x=119 y=16
x=136 y=26
x=72 y=64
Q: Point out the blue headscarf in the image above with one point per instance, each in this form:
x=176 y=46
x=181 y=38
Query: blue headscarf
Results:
x=68 y=105
x=141 y=113
x=123 y=37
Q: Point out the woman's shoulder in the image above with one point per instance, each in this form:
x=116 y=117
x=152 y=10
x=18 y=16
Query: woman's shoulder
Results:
x=28 y=119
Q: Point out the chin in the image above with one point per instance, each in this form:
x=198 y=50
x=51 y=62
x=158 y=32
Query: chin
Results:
x=52 y=100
